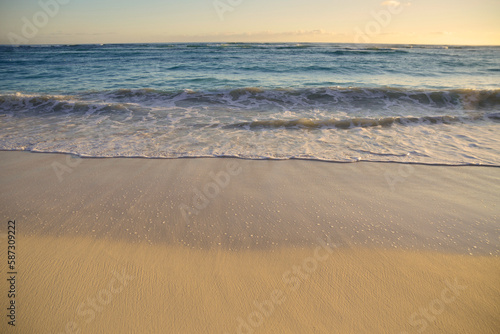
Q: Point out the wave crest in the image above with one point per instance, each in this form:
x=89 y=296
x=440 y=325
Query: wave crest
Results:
x=305 y=123
x=260 y=99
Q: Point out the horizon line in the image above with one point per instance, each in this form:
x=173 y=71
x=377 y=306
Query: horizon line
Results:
x=232 y=42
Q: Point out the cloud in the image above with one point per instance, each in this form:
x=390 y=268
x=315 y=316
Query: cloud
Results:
x=316 y=35
x=66 y=34
x=442 y=33
x=286 y=33
x=317 y=32
x=391 y=3
x=394 y=3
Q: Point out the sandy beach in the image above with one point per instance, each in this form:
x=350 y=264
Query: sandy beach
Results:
x=226 y=245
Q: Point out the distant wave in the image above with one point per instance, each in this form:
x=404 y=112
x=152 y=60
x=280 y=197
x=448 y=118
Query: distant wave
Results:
x=364 y=51
x=359 y=47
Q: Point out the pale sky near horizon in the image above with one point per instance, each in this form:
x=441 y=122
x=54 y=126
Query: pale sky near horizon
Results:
x=337 y=21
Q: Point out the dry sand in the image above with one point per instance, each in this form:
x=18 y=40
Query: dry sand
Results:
x=238 y=246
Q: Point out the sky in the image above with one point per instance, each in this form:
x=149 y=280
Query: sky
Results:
x=462 y=22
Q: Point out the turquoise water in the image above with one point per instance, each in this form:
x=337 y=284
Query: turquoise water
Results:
x=335 y=102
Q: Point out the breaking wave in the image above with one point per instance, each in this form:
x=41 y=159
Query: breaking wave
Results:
x=331 y=98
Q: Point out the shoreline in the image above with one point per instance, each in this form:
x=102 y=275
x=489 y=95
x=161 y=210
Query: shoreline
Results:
x=263 y=159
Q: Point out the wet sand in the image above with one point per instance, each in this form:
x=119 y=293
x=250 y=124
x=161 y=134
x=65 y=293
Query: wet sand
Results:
x=239 y=246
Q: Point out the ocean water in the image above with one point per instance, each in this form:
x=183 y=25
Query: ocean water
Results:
x=333 y=102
